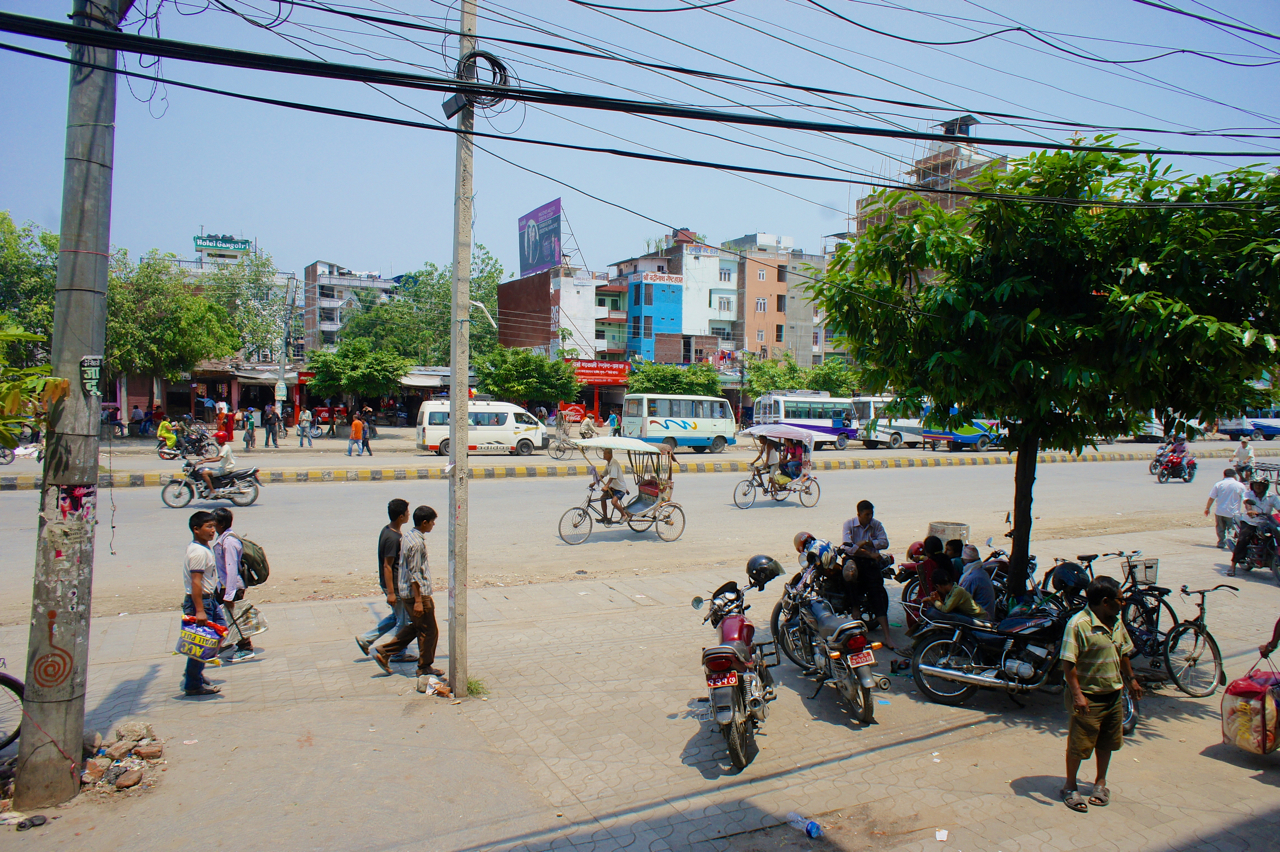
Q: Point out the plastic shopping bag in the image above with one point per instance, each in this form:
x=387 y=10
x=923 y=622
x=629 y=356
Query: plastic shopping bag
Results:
x=201 y=643
x=1249 y=711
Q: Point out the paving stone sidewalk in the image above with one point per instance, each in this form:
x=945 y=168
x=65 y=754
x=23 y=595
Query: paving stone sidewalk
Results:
x=593 y=737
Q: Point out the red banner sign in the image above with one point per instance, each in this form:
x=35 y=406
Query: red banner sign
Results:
x=600 y=372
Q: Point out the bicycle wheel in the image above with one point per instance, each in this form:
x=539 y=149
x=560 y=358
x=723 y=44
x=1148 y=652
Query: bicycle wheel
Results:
x=10 y=709
x=810 y=493
x=669 y=524
x=744 y=494
x=1148 y=618
x=1194 y=661
x=575 y=525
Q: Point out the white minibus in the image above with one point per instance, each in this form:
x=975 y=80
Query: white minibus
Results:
x=495 y=427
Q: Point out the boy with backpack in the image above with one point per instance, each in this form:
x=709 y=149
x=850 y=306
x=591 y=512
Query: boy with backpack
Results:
x=240 y=564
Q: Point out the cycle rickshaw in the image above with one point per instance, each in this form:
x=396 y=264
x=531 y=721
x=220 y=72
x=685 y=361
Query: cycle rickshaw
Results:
x=652 y=467
x=777 y=484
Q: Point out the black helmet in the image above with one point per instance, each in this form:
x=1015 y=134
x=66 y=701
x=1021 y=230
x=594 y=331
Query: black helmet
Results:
x=761 y=569
x=1070 y=578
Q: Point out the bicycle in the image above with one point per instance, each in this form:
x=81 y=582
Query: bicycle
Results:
x=11 y=692
x=1186 y=647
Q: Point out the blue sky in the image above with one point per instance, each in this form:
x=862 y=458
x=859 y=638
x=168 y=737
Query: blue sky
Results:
x=380 y=198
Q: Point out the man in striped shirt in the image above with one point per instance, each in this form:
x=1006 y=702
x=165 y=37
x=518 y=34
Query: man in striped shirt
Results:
x=1095 y=664
x=415 y=595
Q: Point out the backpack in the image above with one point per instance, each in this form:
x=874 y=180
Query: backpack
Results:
x=254 y=569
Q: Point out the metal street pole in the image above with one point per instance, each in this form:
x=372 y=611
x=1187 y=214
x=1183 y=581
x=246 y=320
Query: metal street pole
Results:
x=460 y=361
x=49 y=752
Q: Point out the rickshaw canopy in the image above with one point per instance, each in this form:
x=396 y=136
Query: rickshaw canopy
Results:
x=779 y=431
x=630 y=445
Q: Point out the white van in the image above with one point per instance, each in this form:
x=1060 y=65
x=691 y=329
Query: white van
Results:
x=495 y=427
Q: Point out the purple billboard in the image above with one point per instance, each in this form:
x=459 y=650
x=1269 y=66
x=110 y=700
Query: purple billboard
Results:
x=540 y=239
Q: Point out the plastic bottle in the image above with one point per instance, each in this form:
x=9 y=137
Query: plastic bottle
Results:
x=808 y=826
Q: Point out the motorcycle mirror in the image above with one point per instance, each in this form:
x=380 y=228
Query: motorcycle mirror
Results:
x=990 y=541
x=697 y=602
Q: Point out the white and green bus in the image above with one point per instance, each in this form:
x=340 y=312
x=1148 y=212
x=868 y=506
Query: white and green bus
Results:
x=701 y=422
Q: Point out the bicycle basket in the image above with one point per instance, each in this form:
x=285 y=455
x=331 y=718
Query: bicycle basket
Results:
x=1145 y=571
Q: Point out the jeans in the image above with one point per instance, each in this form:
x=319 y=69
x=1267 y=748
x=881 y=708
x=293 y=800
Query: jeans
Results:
x=194 y=677
x=353 y=444
x=421 y=627
x=394 y=620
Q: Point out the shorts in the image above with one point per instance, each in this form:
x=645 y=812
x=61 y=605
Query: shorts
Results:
x=1102 y=727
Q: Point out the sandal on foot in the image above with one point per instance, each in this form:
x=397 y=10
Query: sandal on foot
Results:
x=1101 y=796
x=1073 y=800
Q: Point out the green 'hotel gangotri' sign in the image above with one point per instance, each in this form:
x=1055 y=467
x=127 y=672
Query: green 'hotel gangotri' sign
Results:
x=222 y=241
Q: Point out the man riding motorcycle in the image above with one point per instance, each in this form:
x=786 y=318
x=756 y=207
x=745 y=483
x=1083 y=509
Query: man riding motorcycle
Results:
x=220 y=464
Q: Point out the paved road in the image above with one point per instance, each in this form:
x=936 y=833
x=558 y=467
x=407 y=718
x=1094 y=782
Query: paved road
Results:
x=321 y=540
x=594 y=738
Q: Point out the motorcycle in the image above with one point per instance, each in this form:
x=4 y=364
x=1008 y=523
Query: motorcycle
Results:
x=825 y=644
x=1263 y=551
x=953 y=657
x=739 y=683
x=238 y=486
x=1177 y=465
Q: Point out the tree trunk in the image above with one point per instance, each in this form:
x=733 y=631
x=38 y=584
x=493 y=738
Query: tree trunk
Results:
x=1024 y=479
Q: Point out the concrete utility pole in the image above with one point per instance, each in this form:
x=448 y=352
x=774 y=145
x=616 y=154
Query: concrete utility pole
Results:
x=460 y=351
x=49 y=752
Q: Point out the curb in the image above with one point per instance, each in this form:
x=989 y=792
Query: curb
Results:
x=269 y=477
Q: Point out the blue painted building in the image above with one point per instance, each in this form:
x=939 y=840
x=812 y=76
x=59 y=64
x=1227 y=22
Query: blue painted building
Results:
x=654 y=307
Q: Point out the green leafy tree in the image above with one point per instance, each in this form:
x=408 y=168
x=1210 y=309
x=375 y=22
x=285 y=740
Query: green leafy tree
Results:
x=354 y=369
x=157 y=325
x=1069 y=320
x=25 y=392
x=833 y=376
x=415 y=323
x=694 y=380
x=254 y=303
x=28 y=275
x=521 y=375
x=765 y=375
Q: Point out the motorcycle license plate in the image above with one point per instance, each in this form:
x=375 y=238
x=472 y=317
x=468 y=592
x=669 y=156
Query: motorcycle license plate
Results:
x=866 y=658
x=723 y=679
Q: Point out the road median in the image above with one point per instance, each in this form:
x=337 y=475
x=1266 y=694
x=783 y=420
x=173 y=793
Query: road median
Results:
x=30 y=482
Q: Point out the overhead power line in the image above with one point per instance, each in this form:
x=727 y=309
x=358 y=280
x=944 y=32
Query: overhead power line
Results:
x=1175 y=10
x=1242 y=205
x=1030 y=33
x=205 y=54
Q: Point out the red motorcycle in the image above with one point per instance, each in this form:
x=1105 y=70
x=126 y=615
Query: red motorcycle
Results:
x=737 y=670
x=1177 y=465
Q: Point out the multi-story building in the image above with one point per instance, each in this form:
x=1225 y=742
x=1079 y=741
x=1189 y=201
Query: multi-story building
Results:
x=944 y=166
x=775 y=316
x=563 y=308
x=681 y=304
x=329 y=291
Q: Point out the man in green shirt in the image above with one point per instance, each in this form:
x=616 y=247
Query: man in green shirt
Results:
x=1095 y=664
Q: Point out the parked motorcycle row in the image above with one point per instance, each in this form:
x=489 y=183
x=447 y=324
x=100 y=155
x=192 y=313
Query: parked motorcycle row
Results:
x=827 y=638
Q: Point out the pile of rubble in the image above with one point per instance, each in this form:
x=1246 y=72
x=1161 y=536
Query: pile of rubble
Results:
x=131 y=760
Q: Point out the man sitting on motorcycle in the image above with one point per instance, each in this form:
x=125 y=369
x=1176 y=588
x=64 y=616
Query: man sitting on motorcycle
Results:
x=220 y=464
x=1255 y=517
x=1242 y=459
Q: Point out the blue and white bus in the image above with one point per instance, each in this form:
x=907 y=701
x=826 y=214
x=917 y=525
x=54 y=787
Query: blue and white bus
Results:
x=1257 y=423
x=877 y=429
x=701 y=422
x=816 y=411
